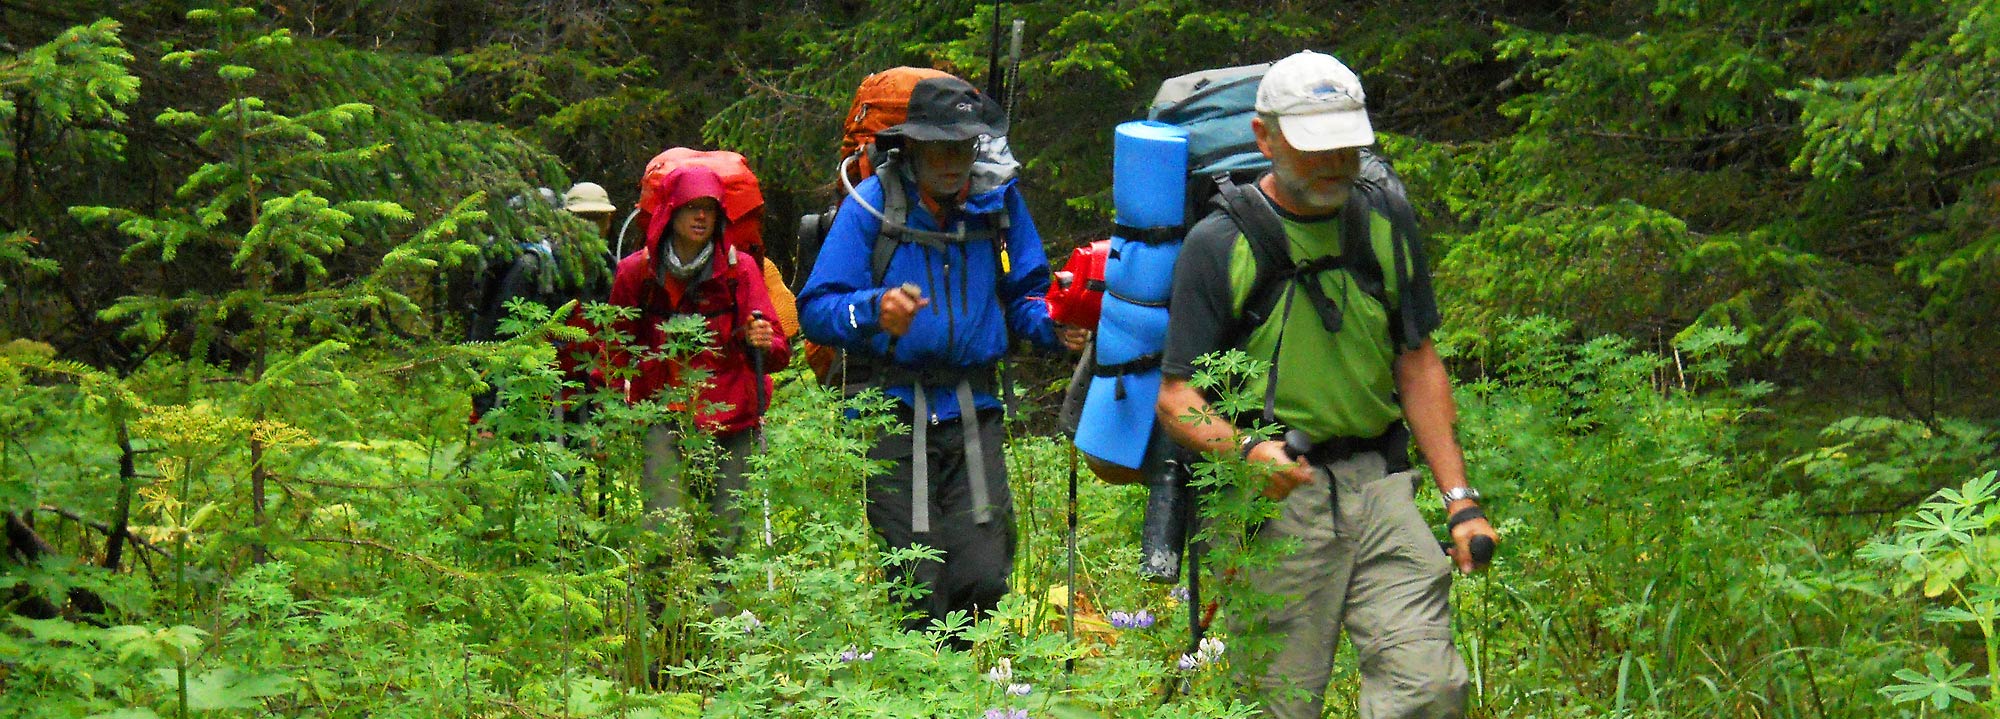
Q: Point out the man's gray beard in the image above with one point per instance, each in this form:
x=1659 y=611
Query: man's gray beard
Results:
x=1313 y=201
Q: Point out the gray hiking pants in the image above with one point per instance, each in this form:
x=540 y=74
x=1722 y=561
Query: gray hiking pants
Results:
x=1376 y=572
x=666 y=485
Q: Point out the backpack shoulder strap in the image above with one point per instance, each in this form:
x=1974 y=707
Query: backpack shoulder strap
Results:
x=1405 y=238
x=1357 y=245
x=1258 y=222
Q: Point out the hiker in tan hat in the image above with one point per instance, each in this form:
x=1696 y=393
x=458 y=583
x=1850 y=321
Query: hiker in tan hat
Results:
x=589 y=201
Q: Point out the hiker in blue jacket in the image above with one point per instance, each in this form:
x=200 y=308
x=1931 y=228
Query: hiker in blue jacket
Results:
x=931 y=267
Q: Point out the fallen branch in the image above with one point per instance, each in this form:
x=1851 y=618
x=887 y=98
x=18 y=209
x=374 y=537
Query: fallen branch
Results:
x=102 y=528
x=522 y=710
x=336 y=484
x=418 y=558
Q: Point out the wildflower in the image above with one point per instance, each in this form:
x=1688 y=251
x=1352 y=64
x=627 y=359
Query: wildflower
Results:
x=851 y=655
x=1002 y=672
x=1006 y=714
x=1208 y=652
x=1019 y=690
x=1179 y=593
x=750 y=621
x=1211 y=649
x=1137 y=620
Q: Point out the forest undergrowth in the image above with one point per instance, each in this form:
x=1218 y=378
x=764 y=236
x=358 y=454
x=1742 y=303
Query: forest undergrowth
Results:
x=413 y=567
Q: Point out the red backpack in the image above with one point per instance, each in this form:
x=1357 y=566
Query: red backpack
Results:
x=742 y=198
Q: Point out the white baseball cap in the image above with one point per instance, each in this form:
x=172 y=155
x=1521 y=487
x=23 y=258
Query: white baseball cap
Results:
x=588 y=197
x=1318 y=102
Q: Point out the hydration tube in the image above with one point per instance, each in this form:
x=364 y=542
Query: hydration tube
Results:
x=848 y=185
x=619 y=253
x=887 y=166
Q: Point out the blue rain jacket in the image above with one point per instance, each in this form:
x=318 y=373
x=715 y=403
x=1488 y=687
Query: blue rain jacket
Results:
x=972 y=313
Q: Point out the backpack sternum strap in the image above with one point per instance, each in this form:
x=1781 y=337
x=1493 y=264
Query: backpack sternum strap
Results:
x=1276 y=272
x=1277 y=276
x=896 y=227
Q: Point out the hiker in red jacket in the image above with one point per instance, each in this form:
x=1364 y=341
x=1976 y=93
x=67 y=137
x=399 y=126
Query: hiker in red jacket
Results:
x=686 y=269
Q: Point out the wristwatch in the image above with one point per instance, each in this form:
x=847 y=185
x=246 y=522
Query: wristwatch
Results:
x=1457 y=493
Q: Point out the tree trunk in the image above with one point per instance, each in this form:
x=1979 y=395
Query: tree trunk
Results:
x=114 y=545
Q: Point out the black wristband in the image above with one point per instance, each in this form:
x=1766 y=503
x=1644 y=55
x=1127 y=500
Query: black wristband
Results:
x=1464 y=515
x=1249 y=443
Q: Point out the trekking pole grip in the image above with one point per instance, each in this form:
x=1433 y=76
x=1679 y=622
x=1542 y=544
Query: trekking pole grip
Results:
x=756 y=352
x=757 y=365
x=1297 y=444
x=1482 y=549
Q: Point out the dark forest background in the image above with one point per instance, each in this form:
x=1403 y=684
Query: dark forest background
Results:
x=1720 y=282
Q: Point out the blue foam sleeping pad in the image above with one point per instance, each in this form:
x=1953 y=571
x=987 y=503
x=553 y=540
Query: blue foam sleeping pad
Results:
x=1149 y=174
x=1119 y=430
x=1126 y=331
x=1141 y=272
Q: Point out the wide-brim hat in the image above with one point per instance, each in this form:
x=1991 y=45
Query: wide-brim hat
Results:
x=588 y=197
x=947 y=109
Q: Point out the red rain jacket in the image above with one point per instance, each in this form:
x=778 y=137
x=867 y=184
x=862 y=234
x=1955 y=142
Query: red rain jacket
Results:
x=725 y=295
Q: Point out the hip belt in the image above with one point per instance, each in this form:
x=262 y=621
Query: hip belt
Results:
x=963 y=380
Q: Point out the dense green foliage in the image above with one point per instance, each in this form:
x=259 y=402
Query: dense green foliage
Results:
x=1747 y=473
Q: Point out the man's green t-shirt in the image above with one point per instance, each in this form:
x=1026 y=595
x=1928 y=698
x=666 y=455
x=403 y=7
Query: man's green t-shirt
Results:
x=1329 y=384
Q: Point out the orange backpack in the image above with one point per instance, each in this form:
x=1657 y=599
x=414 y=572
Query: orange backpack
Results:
x=882 y=101
x=742 y=205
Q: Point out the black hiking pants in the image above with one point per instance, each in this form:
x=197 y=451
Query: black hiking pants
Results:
x=977 y=557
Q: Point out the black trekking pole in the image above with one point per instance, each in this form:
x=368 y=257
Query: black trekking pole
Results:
x=1012 y=87
x=1069 y=665
x=763 y=404
x=993 y=76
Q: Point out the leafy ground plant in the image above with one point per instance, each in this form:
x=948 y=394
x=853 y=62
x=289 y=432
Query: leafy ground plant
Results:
x=1949 y=549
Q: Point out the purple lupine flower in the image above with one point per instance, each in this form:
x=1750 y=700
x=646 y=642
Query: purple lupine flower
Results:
x=1006 y=714
x=1189 y=662
x=1019 y=690
x=1179 y=593
x=1130 y=620
x=868 y=656
x=750 y=622
x=853 y=655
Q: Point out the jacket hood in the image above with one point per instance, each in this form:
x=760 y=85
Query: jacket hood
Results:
x=988 y=200
x=677 y=188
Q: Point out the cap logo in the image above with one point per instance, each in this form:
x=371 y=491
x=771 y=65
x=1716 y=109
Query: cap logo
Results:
x=964 y=107
x=1328 y=90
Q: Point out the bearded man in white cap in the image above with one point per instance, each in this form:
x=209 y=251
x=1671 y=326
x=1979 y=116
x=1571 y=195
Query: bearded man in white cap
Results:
x=1353 y=367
